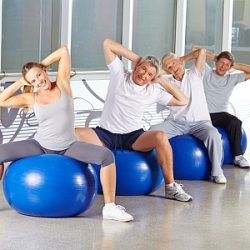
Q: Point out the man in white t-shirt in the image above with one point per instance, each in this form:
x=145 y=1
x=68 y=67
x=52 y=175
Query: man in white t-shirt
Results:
x=128 y=96
x=218 y=85
x=193 y=118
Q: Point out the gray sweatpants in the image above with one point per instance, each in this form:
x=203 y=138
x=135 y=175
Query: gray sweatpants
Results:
x=203 y=130
x=81 y=151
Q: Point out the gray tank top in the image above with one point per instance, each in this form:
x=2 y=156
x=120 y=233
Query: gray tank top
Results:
x=56 y=123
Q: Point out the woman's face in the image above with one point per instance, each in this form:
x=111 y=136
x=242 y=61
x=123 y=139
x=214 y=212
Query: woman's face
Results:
x=38 y=78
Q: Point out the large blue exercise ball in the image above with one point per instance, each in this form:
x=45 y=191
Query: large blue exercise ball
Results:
x=137 y=173
x=50 y=186
x=228 y=157
x=190 y=158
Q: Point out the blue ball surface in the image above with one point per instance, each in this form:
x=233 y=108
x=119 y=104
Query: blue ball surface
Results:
x=137 y=173
x=228 y=157
x=190 y=158
x=49 y=186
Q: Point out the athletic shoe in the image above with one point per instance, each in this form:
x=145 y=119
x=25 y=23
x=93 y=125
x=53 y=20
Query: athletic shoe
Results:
x=219 y=179
x=175 y=192
x=116 y=212
x=241 y=162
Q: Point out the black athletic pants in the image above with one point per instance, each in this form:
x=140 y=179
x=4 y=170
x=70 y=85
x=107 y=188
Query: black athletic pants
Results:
x=232 y=125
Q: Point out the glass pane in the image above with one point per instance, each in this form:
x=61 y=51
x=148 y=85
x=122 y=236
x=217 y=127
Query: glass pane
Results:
x=92 y=22
x=30 y=31
x=153 y=27
x=204 y=27
x=241 y=31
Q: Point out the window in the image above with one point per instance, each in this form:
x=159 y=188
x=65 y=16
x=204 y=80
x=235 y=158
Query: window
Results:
x=204 y=27
x=241 y=31
x=30 y=31
x=92 y=22
x=153 y=27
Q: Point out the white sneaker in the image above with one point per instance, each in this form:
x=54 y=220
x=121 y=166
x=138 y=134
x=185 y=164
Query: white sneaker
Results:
x=175 y=192
x=219 y=179
x=241 y=162
x=116 y=212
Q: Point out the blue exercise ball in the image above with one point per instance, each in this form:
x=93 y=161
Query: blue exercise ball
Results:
x=228 y=157
x=190 y=158
x=137 y=173
x=50 y=186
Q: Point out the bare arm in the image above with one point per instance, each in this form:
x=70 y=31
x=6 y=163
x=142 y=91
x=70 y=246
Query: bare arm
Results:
x=111 y=49
x=62 y=56
x=243 y=67
x=209 y=55
x=179 y=99
x=199 y=55
x=7 y=98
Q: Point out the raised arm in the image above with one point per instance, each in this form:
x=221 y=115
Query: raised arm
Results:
x=9 y=100
x=209 y=55
x=178 y=99
x=64 y=64
x=243 y=67
x=199 y=56
x=111 y=49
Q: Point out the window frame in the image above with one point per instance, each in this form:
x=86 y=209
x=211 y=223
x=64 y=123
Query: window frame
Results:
x=127 y=28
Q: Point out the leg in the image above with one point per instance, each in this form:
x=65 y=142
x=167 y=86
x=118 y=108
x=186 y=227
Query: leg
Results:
x=1 y=171
x=17 y=150
x=100 y=155
x=158 y=140
x=210 y=136
x=90 y=153
x=88 y=135
x=232 y=125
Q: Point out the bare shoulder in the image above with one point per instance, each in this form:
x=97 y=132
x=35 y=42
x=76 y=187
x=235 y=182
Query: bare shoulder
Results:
x=29 y=98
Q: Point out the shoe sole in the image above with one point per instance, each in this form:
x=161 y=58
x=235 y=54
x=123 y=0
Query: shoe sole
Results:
x=114 y=218
x=236 y=165
x=171 y=198
x=219 y=182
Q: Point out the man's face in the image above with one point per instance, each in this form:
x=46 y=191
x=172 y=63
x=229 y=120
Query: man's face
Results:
x=222 y=66
x=144 y=73
x=174 y=67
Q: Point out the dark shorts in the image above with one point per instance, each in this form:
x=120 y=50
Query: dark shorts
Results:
x=118 y=141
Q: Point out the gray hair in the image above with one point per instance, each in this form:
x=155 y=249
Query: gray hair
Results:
x=153 y=61
x=166 y=56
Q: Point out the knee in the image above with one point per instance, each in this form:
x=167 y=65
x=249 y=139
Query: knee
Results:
x=235 y=122
x=160 y=138
x=108 y=157
x=213 y=134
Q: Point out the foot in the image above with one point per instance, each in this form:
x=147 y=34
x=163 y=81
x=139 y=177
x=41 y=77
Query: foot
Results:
x=241 y=162
x=219 y=179
x=1 y=171
x=176 y=192
x=116 y=212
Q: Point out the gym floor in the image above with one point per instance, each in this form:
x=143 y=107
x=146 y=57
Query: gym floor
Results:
x=217 y=218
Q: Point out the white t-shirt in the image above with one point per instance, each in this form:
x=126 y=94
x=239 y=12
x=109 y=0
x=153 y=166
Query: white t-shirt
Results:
x=191 y=86
x=126 y=101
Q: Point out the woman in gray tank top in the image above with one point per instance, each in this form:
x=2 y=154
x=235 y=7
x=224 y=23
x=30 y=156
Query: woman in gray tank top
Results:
x=52 y=103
